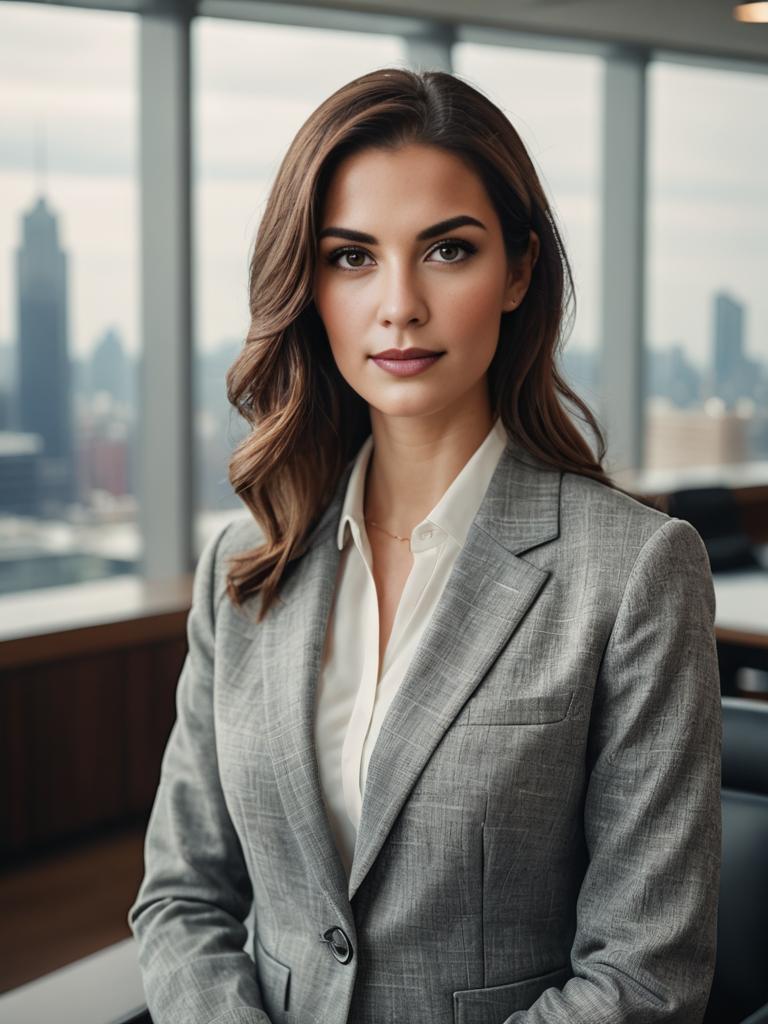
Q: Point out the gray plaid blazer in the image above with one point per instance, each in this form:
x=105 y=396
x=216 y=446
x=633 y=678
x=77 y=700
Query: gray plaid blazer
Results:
x=540 y=831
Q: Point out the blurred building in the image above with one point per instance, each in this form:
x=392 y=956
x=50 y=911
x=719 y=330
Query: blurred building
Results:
x=671 y=375
x=710 y=435
x=734 y=376
x=110 y=371
x=105 y=464
x=20 y=457
x=45 y=393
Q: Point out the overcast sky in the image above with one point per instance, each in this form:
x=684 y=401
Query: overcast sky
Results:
x=70 y=77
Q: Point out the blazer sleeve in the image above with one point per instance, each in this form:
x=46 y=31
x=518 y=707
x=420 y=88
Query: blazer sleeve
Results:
x=645 y=940
x=188 y=915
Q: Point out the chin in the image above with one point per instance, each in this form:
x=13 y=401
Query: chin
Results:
x=415 y=406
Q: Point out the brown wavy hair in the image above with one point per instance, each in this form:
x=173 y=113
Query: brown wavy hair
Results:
x=306 y=421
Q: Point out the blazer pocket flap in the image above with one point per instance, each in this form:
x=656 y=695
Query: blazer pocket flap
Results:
x=274 y=978
x=541 y=710
x=480 y=1005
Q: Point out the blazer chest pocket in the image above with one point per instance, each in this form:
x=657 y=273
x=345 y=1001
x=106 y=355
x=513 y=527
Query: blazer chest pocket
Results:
x=542 y=710
x=480 y=1005
x=274 y=982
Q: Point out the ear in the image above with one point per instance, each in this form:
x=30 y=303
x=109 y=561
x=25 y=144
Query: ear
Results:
x=519 y=276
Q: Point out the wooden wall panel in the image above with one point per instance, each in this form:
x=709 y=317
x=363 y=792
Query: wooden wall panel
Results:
x=14 y=812
x=150 y=711
x=82 y=738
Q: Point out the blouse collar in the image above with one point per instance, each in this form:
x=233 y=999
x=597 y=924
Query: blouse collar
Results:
x=453 y=514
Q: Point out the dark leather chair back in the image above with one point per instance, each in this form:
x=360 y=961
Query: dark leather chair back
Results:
x=715 y=513
x=740 y=985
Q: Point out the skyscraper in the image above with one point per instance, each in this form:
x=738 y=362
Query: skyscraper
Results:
x=109 y=369
x=45 y=394
x=730 y=377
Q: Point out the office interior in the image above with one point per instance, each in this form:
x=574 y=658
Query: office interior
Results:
x=138 y=139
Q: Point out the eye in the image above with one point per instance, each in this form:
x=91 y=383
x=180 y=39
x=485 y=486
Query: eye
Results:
x=354 y=252
x=456 y=244
x=348 y=250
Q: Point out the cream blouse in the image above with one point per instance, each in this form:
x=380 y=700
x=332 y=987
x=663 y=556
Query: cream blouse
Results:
x=350 y=702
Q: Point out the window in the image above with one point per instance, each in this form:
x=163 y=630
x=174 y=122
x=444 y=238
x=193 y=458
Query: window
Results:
x=554 y=102
x=707 y=263
x=68 y=302
x=254 y=85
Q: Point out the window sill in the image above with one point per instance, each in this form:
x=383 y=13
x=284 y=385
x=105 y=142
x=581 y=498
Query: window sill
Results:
x=43 y=625
x=103 y=987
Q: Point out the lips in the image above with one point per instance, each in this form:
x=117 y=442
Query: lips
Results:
x=404 y=363
x=406 y=353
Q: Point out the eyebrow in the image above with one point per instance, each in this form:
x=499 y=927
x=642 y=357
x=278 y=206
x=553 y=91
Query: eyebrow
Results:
x=435 y=229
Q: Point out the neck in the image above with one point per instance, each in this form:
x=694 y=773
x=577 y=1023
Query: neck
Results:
x=415 y=460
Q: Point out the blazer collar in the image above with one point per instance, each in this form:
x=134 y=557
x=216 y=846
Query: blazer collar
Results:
x=488 y=591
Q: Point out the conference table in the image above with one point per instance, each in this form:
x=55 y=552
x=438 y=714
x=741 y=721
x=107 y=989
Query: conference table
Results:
x=741 y=614
x=741 y=598
x=741 y=626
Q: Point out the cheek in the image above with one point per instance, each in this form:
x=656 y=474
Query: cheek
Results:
x=473 y=321
x=476 y=304
x=341 y=314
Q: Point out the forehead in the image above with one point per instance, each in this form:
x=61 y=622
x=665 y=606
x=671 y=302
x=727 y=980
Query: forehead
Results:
x=414 y=181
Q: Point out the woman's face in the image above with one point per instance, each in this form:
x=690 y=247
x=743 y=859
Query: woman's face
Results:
x=391 y=274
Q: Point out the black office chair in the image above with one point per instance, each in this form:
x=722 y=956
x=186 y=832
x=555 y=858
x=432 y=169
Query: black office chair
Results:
x=740 y=985
x=716 y=514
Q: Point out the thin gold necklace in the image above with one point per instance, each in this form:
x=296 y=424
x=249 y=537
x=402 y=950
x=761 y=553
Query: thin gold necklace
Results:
x=378 y=527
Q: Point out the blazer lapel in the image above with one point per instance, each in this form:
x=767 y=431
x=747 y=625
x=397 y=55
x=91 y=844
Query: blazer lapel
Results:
x=488 y=592
x=292 y=642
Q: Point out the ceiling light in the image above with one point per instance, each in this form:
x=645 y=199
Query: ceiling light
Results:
x=751 y=10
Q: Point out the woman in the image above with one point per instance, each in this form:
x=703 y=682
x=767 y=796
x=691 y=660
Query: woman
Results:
x=448 y=732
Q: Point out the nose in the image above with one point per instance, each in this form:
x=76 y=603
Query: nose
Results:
x=402 y=301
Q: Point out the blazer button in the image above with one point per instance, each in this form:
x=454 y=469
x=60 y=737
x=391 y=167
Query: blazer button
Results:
x=339 y=944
